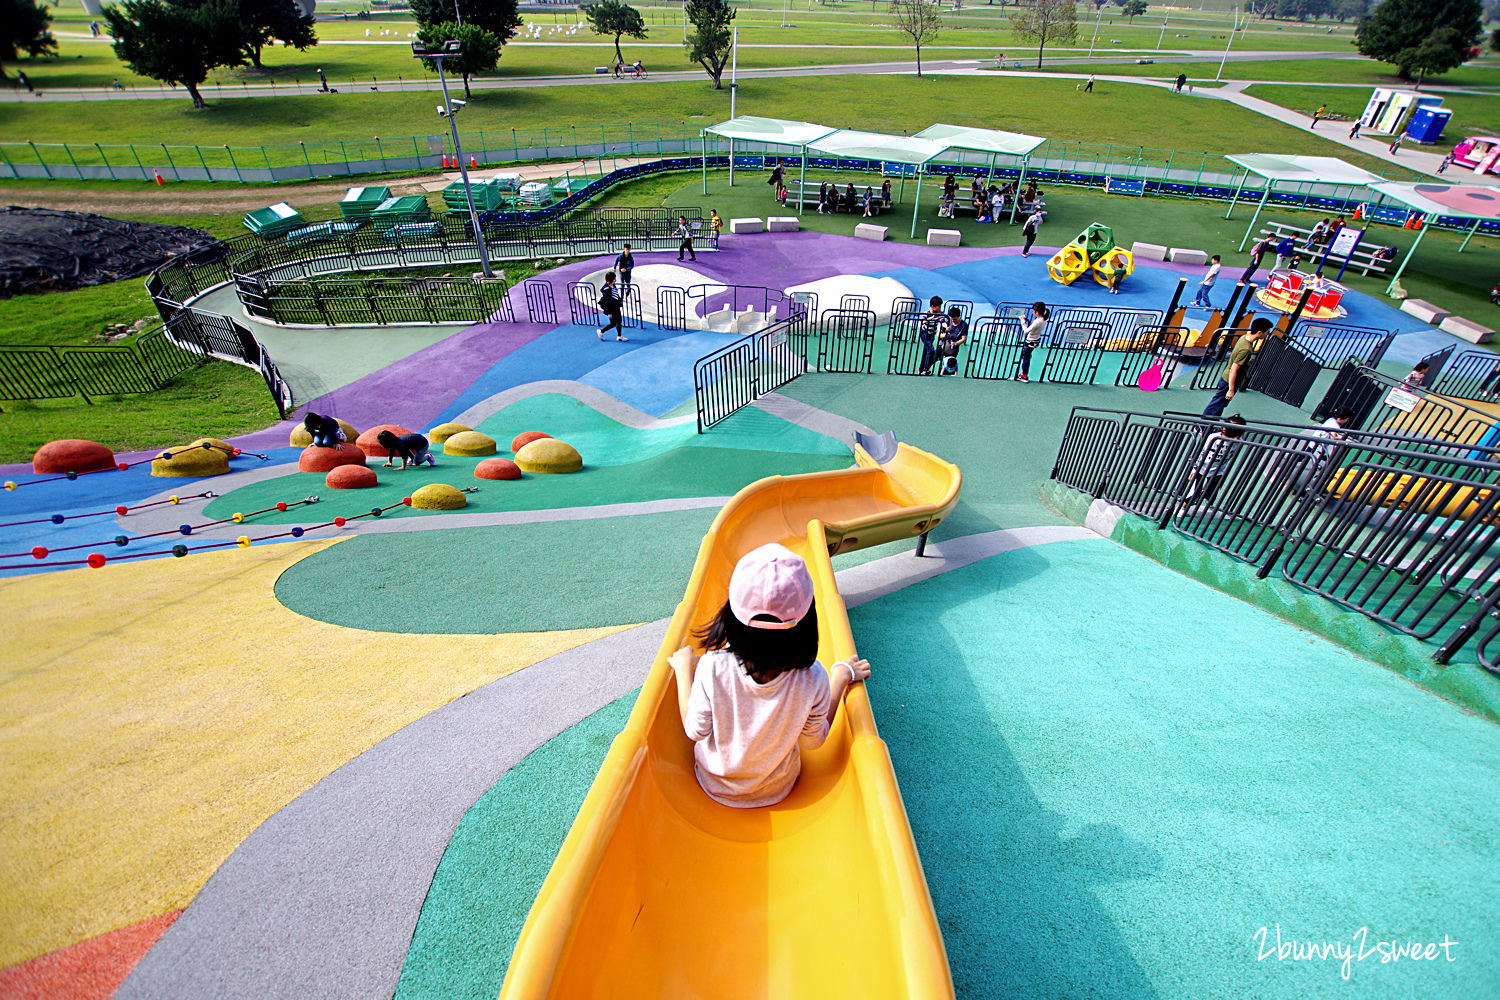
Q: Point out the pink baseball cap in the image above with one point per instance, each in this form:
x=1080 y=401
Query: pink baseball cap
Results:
x=771 y=582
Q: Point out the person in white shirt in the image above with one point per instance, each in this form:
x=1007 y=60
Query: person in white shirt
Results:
x=1031 y=337
x=1206 y=285
x=759 y=696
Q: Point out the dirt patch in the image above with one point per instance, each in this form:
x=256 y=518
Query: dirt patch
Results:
x=43 y=249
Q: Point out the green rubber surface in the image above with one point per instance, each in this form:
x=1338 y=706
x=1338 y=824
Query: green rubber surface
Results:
x=528 y=578
x=1113 y=789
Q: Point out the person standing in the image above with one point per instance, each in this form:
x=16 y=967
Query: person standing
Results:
x=716 y=224
x=1443 y=167
x=25 y=81
x=1205 y=286
x=1088 y=88
x=1181 y=81
x=1318 y=115
x=775 y=180
x=928 y=328
x=1396 y=144
x=1031 y=337
x=1354 y=129
x=625 y=263
x=951 y=340
x=1234 y=375
x=322 y=82
x=612 y=307
x=684 y=235
x=1029 y=230
x=1257 y=254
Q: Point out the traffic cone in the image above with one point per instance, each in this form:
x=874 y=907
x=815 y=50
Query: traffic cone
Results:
x=1416 y=222
x=473 y=163
x=445 y=161
x=1359 y=211
x=159 y=179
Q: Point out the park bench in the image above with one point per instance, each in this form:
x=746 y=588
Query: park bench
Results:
x=807 y=196
x=1362 y=260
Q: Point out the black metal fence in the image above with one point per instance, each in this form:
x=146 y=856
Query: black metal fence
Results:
x=1470 y=375
x=1423 y=416
x=1408 y=536
x=738 y=374
x=1332 y=344
x=50 y=372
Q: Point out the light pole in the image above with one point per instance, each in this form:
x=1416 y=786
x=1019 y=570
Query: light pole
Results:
x=1235 y=27
x=452 y=49
x=1161 y=34
x=1098 y=14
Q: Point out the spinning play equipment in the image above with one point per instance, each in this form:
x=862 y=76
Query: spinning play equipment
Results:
x=660 y=891
x=1284 y=290
x=1092 y=251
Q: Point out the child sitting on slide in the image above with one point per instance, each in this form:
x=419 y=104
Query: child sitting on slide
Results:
x=759 y=695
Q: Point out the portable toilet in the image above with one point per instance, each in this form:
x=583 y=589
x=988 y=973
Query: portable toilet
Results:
x=1427 y=124
x=1388 y=110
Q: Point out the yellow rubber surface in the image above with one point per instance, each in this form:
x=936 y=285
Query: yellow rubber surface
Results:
x=154 y=713
x=658 y=891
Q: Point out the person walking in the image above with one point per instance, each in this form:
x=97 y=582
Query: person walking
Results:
x=322 y=82
x=1396 y=145
x=625 y=263
x=612 y=307
x=1029 y=230
x=1318 y=115
x=1181 y=81
x=1354 y=129
x=1088 y=88
x=1257 y=254
x=1443 y=167
x=1205 y=286
x=684 y=234
x=1234 y=375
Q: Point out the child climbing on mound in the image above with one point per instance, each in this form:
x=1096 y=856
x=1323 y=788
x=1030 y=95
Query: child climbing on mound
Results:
x=325 y=431
x=411 y=448
x=759 y=695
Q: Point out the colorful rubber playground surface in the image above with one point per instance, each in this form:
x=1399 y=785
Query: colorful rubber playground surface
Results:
x=341 y=764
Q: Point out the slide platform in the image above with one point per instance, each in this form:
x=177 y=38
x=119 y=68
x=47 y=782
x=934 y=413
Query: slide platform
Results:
x=658 y=891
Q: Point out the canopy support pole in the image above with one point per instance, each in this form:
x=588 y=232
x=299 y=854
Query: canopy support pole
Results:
x=916 y=202
x=731 y=161
x=1020 y=183
x=1472 y=231
x=1396 y=278
x=1240 y=187
x=802 y=182
x=1251 y=228
x=703 y=141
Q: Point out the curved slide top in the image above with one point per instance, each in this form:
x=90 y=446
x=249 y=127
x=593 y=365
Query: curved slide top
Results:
x=658 y=891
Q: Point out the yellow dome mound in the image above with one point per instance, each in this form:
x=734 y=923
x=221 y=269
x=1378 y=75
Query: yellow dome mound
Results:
x=301 y=437
x=223 y=446
x=190 y=462
x=438 y=496
x=442 y=432
x=549 y=455
x=469 y=443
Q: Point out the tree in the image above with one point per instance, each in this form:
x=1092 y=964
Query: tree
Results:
x=1439 y=52
x=1046 y=21
x=267 y=21
x=481 y=49
x=610 y=17
x=1397 y=29
x=1133 y=8
x=920 y=20
x=23 y=28
x=496 y=16
x=709 y=42
x=177 y=44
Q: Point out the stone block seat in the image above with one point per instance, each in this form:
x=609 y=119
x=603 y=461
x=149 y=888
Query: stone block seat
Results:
x=1467 y=329
x=1148 y=251
x=1424 y=311
x=783 y=224
x=741 y=226
x=1181 y=255
x=869 y=231
x=943 y=237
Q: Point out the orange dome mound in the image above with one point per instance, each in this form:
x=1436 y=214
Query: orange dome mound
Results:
x=371 y=447
x=350 y=477
x=524 y=438
x=316 y=459
x=72 y=455
x=497 y=468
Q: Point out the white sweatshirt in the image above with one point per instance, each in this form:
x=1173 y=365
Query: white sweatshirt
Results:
x=746 y=736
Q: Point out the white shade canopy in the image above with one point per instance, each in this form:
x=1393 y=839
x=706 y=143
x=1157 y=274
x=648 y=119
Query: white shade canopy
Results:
x=878 y=146
x=1455 y=201
x=771 y=130
x=1285 y=168
x=982 y=140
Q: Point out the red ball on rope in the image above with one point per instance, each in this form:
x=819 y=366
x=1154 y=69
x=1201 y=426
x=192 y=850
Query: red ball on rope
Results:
x=96 y=560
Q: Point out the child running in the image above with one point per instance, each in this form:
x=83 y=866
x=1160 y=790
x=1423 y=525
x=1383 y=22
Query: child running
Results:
x=759 y=695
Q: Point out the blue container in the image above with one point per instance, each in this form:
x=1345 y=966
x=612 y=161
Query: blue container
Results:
x=1427 y=124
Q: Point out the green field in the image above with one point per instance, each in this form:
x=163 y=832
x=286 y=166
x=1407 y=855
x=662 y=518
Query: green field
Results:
x=1472 y=114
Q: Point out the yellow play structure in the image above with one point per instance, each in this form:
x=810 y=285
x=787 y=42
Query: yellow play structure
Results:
x=658 y=891
x=1093 y=252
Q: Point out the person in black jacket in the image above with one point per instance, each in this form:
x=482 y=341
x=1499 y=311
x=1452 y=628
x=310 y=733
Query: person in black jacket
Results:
x=611 y=305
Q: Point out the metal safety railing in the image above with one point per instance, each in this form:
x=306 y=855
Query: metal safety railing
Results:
x=1409 y=537
x=740 y=373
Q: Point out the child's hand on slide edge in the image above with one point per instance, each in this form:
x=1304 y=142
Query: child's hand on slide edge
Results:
x=859 y=669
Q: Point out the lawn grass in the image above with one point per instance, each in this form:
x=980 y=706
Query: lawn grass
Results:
x=1355 y=72
x=78 y=316
x=218 y=399
x=1136 y=116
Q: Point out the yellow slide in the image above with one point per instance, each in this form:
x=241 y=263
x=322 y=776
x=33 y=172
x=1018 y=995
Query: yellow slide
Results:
x=658 y=891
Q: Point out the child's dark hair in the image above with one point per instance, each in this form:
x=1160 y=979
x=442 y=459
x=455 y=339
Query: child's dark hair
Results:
x=388 y=440
x=1238 y=428
x=766 y=653
x=935 y=301
x=1040 y=308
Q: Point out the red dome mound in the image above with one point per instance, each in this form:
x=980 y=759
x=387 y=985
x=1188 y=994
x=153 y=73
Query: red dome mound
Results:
x=72 y=455
x=315 y=459
x=371 y=447
x=524 y=438
x=350 y=477
x=497 y=468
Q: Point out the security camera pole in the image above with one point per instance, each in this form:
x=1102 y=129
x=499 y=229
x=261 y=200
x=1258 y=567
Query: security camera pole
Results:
x=452 y=49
